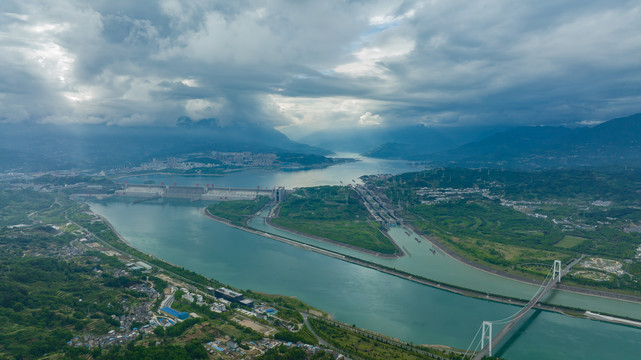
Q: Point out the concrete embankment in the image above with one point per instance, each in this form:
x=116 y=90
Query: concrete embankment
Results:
x=399 y=252
x=274 y=237
x=563 y=287
x=410 y=277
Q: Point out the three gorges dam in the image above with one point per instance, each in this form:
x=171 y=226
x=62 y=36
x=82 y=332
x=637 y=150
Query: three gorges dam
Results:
x=195 y=193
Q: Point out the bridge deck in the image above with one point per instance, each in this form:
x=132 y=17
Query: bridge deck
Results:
x=519 y=315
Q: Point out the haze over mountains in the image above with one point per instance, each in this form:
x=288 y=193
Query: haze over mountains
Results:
x=398 y=141
x=615 y=143
x=49 y=147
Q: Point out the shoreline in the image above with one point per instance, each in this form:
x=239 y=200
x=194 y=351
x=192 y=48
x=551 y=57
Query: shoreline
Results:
x=564 y=310
x=228 y=171
x=523 y=279
x=399 y=252
x=175 y=277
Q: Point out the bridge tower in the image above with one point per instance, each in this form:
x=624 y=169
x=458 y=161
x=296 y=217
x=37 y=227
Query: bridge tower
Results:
x=557 y=270
x=487 y=334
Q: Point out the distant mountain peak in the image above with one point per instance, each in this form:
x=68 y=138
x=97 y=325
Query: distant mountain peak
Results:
x=613 y=143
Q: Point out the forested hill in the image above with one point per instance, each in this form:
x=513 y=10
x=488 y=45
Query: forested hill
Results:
x=46 y=147
x=619 y=186
x=615 y=143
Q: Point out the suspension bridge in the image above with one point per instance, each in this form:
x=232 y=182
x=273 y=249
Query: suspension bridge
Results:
x=487 y=341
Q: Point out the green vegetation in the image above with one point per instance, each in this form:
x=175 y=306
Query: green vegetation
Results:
x=180 y=327
x=15 y=206
x=486 y=220
x=569 y=241
x=555 y=185
x=72 y=180
x=306 y=159
x=293 y=353
x=367 y=345
x=43 y=300
x=304 y=335
x=222 y=322
x=335 y=213
x=191 y=350
x=288 y=307
x=53 y=290
x=489 y=232
x=515 y=220
x=238 y=211
x=207 y=170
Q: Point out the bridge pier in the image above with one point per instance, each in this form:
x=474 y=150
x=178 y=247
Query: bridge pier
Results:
x=557 y=270
x=545 y=288
x=487 y=334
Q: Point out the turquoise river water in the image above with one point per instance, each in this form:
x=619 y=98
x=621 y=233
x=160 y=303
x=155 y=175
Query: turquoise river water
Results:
x=178 y=232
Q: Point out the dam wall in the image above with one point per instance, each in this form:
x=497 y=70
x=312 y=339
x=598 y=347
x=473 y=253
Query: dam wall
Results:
x=199 y=193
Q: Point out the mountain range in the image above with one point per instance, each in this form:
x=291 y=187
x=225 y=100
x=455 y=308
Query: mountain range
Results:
x=36 y=147
x=614 y=143
x=397 y=141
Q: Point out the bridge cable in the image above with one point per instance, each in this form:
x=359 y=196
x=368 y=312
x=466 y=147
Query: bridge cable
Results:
x=514 y=316
x=472 y=342
x=518 y=316
x=511 y=317
x=478 y=345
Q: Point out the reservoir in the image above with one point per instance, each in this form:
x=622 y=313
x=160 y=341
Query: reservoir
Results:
x=177 y=232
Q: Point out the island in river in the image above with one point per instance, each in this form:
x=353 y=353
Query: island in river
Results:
x=408 y=312
x=339 y=215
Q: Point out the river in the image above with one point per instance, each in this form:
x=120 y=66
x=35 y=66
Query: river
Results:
x=176 y=231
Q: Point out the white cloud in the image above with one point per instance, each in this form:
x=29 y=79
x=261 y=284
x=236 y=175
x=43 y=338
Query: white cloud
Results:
x=202 y=109
x=190 y=82
x=21 y=17
x=368 y=119
x=389 y=19
x=331 y=62
x=369 y=60
x=323 y=113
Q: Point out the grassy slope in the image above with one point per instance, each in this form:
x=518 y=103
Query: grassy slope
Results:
x=484 y=231
x=238 y=211
x=489 y=233
x=334 y=213
x=360 y=346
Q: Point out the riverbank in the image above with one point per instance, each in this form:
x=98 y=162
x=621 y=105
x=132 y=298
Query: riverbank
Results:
x=333 y=215
x=399 y=252
x=206 y=213
x=563 y=287
x=568 y=311
x=224 y=172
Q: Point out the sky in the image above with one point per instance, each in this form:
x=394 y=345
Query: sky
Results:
x=302 y=66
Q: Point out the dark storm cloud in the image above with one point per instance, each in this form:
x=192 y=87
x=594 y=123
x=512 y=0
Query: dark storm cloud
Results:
x=306 y=65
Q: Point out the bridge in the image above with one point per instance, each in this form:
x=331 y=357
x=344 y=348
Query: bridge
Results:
x=487 y=342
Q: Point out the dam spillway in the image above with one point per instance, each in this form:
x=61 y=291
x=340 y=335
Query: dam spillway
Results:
x=199 y=193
